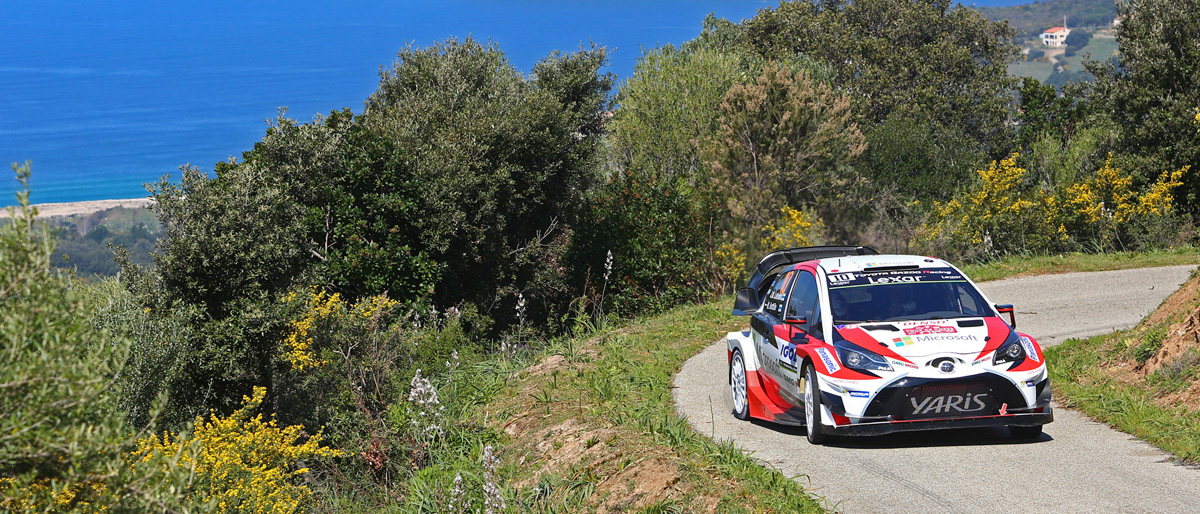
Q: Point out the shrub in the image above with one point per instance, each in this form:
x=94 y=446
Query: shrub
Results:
x=353 y=367
x=62 y=440
x=660 y=239
x=241 y=463
x=1009 y=214
x=1002 y=215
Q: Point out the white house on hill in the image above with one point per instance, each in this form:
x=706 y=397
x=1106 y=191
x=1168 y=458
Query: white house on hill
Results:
x=1055 y=36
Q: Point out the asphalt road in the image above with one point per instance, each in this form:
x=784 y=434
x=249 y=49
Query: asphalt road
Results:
x=1076 y=466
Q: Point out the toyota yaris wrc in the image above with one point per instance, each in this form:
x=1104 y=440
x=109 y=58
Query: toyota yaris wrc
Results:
x=845 y=341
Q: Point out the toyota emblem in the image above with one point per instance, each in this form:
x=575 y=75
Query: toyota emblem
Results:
x=946 y=367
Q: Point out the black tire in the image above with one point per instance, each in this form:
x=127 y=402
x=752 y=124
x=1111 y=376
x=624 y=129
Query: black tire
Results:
x=812 y=406
x=738 y=387
x=1033 y=432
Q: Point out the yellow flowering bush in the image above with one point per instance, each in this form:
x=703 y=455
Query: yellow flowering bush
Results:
x=60 y=501
x=298 y=341
x=1006 y=215
x=729 y=263
x=240 y=462
x=1003 y=215
x=1105 y=197
x=793 y=228
x=321 y=311
x=1105 y=209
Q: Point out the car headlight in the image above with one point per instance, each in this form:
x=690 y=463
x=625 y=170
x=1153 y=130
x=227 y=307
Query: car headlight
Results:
x=854 y=357
x=1011 y=351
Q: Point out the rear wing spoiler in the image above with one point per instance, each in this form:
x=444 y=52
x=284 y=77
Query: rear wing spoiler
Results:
x=747 y=297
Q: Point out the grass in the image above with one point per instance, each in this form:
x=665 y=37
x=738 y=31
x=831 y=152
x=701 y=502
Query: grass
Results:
x=1015 y=266
x=1078 y=370
x=602 y=407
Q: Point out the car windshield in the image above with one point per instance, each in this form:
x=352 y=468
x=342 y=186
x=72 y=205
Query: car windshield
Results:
x=902 y=295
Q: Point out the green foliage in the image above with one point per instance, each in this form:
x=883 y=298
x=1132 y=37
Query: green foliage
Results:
x=920 y=158
x=1053 y=162
x=1008 y=213
x=947 y=62
x=448 y=187
x=1077 y=39
x=1153 y=88
x=783 y=140
x=669 y=110
x=1151 y=342
x=455 y=187
x=62 y=442
x=495 y=159
x=660 y=239
x=1042 y=110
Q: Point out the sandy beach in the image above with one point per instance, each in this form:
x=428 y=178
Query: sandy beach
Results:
x=50 y=210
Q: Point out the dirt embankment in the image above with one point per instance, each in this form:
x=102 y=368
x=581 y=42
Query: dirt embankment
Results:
x=554 y=434
x=1165 y=350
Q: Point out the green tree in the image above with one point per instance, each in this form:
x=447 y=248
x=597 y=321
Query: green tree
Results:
x=1043 y=110
x=457 y=186
x=1153 y=88
x=918 y=158
x=944 y=59
x=1076 y=40
x=784 y=140
x=669 y=110
x=492 y=158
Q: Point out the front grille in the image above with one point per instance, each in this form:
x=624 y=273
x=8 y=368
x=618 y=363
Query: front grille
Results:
x=928 y=398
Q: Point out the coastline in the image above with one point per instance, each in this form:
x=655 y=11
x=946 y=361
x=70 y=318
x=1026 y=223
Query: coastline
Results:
x=53 y=210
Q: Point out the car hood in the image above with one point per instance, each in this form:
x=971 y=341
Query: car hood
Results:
x=914 y=340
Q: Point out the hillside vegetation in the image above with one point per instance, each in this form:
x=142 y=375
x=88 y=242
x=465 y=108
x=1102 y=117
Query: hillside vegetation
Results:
x=84 y=240
x=337 y=321
x=1035 y=17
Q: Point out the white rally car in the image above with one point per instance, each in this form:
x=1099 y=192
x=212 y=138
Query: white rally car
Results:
x=845 y=341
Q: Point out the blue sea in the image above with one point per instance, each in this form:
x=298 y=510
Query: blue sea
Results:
x=103 y=97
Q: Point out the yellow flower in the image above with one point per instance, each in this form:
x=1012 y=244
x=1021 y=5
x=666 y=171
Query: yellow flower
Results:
x=241 y=461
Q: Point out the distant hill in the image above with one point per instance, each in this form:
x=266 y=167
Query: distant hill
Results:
x=1033 y=18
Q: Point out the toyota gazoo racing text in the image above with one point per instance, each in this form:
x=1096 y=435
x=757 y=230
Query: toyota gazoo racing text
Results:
x=845 y=341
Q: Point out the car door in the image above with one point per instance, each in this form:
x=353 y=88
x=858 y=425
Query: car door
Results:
x=766 y=322
x=801 y=322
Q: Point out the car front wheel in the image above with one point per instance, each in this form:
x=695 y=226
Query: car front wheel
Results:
x=737 y=386
x=812 y=406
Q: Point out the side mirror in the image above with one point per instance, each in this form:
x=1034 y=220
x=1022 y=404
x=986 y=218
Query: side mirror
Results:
x=746 y=302
x=1012 y=314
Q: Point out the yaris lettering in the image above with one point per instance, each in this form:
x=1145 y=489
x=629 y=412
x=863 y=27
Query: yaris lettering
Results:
x=949 y=404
